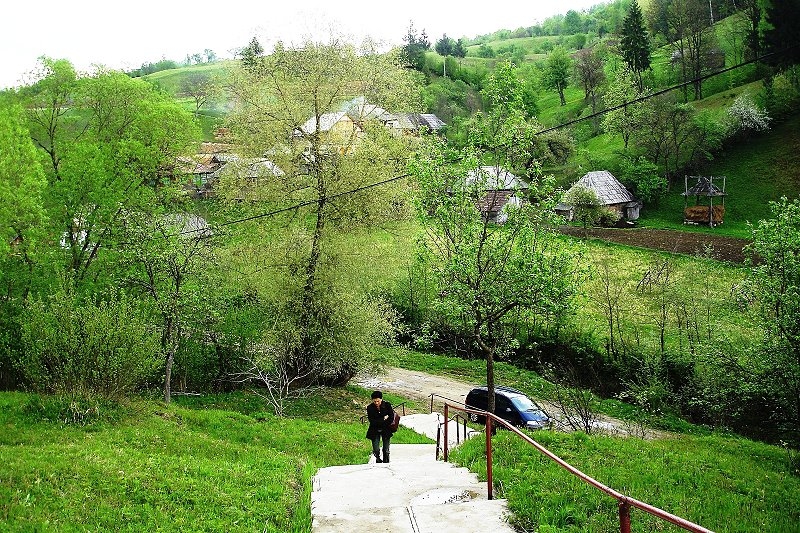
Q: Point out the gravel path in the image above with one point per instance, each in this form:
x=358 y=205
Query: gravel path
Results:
x=416 y=385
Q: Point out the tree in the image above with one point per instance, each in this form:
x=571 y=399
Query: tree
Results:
x=589 y=71
x=635 y=43
x=460 y=49
x=486 y=274
x=586 y=204
x=22 y=214
x=692 y=40
x=445 y=46
x=644 y=179
x=624 y=120
x=782 y=34
x=107 y=138
x=774 y=282
x=557 y=71
x=415 y=48
x=166 y=253
x=251 y=54
x=202 y=88
x=313 y=110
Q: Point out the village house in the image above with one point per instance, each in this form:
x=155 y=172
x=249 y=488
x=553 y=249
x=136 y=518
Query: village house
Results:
x=500 y=187
x=611 y=193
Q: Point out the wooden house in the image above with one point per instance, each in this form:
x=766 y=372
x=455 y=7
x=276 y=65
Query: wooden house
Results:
x=498 y=188
x=611 y=193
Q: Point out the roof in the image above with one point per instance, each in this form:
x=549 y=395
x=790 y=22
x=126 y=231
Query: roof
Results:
x=607 y=188
x=249 y=168
x=415 y=121
x=189 y=225
x=704 y=187
x=358 y=109
x=497 y=178
x=326 y=122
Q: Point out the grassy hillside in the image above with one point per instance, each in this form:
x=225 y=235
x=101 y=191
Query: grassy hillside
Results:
x=215 y=463
x=226 y=463
x=758 y=170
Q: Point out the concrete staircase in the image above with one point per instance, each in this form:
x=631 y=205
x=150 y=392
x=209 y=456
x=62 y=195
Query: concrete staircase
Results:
x=413 y=493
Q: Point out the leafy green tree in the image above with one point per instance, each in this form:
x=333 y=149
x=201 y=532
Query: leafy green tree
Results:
x=460 y=49
x=22 y=214
x=635 y=43
x=166 y=253
x=775 y=284
x=589 y=71
x=625 y=120
x=573 y=22
x=415 y=48
x=486 y=51
x=202 y=88
x=107 y=139
x=586 y=205
x=445 y=46
x=251 y=54
x=557 y=72
x=312 y=109
x=692 y=40
x=486 y=274
x=644 y=179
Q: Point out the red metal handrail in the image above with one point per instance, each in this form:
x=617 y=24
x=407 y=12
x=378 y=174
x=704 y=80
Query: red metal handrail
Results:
x=625 y=502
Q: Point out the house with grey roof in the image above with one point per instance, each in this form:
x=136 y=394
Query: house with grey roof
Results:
x=611 y=193
x=499 y=189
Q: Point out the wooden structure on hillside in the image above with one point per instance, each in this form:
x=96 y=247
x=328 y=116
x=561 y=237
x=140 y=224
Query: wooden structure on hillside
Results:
x=610 y=192
x=704 y=190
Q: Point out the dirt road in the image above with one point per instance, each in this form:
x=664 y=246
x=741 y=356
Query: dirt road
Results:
x=418 y=385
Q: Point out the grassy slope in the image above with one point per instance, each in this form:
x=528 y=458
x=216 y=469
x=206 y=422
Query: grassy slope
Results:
x=219 y=463
x=225 y=463
x=758 y=170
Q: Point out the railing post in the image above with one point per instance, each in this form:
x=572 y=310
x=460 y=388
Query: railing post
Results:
x=624 y=517
x=489 y=456
x=446 y=439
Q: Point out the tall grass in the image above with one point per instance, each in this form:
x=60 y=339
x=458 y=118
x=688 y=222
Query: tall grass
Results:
x=725 y=484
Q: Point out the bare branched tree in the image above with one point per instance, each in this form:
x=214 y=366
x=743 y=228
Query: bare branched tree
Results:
x=276 y=378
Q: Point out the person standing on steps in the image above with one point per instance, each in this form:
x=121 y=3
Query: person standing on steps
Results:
x=379 y=414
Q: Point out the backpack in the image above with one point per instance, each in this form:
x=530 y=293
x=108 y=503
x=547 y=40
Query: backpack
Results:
x=393 y=425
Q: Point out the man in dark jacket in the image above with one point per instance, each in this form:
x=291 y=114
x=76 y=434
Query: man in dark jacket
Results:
x=379 y=414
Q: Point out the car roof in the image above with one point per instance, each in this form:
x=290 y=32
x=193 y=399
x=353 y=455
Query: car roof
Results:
x=508 y=391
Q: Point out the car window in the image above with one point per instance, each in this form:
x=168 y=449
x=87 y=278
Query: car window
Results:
x=523 y=403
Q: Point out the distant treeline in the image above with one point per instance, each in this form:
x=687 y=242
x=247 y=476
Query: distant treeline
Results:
x=149 y=68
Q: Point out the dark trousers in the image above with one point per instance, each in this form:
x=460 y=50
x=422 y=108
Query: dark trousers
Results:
x=376 y=445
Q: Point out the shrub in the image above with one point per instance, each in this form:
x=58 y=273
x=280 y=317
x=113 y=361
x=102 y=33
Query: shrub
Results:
x=85 y=349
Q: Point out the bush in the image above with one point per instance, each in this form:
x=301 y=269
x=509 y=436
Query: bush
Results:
x=82 y=350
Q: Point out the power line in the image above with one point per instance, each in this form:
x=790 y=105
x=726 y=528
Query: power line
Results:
x=540 y=132
x=660 y=92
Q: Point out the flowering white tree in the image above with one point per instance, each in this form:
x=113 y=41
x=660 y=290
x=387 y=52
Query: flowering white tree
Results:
x=744 y=115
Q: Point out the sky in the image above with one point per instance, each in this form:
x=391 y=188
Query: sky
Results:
x=123 y=35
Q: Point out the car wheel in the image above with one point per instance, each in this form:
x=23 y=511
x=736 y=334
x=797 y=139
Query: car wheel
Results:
x=473 y=417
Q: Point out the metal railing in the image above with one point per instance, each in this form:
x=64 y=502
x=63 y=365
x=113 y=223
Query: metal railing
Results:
x=624 y=502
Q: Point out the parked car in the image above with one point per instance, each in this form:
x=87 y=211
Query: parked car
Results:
x=509 y=404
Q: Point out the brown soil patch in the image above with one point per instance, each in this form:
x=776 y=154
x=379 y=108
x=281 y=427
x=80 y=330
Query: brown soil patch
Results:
x=719 y=247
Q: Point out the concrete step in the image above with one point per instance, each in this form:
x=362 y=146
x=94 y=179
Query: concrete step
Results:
x=413 y=493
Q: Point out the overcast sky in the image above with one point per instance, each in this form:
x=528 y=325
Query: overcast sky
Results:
x=123 y=35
